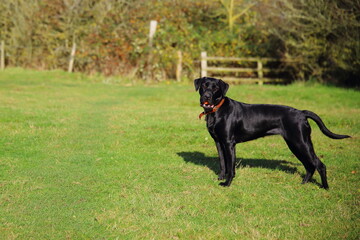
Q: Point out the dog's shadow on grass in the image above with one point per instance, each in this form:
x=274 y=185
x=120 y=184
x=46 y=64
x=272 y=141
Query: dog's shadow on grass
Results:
x=212 y=163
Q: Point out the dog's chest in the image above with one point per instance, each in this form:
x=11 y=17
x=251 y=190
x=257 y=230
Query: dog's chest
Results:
x=210 y=122
x=211 y=125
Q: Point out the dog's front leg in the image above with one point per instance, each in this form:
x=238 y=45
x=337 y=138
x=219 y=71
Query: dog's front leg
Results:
x=230 y=158
x=222 y=161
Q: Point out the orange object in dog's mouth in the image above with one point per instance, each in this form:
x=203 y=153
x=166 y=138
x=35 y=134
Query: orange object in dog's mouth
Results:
x=207 y=105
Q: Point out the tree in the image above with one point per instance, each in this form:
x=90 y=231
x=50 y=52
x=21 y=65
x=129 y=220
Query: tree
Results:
x=234 y=10
x=321 y=35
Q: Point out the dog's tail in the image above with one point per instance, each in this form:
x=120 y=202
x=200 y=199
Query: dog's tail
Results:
x=322 y=126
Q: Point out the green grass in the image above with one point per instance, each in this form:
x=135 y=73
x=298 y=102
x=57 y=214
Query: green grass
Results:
x=80 y=159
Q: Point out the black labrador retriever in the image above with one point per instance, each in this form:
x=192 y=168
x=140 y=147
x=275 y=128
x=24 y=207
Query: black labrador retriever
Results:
x=230 y=122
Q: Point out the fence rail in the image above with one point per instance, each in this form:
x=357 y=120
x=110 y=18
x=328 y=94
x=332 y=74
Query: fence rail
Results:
x=259 y=70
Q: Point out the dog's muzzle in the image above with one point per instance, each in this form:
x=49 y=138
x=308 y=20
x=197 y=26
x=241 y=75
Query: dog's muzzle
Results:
x=207 y=105
x=212 y=108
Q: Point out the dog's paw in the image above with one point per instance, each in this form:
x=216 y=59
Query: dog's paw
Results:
x=225 y=184
x=221 y=177
x=325 y=187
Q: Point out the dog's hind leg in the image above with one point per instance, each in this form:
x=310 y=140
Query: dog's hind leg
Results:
x=315 y=161
x=321 y=168
x=304 y=157
x=299 y=142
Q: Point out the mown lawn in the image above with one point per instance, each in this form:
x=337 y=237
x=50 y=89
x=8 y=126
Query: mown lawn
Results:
x=81 y=159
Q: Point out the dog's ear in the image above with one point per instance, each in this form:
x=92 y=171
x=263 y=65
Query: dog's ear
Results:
x=198 y=82
x=223 y=86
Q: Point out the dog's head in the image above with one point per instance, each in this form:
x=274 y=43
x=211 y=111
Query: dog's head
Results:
x=211 y=91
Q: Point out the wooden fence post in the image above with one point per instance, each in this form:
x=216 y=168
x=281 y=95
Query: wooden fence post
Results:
x=149 y=66
x=2 y=53
x=153 y=24
x=72 y=57
x=260 y=72
x=203 y=64
x=179 y=66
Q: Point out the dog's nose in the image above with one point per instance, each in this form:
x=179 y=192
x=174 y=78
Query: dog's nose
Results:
x=207 y=96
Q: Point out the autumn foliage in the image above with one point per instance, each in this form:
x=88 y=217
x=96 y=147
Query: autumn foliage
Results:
x=112 y=36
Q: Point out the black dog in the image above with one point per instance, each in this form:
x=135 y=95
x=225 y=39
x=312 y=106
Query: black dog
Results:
x=230 y=122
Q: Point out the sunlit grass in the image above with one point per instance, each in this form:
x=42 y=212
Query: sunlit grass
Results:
x=80 y=159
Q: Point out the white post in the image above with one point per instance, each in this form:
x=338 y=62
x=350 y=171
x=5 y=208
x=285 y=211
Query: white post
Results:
x=153 y=24
x=179 y=66
x=203 y=64
x=260 y=71
x=2 y=53
x=72 y=57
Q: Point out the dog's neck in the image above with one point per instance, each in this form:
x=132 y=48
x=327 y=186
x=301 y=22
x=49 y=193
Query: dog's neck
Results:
x=214 y=109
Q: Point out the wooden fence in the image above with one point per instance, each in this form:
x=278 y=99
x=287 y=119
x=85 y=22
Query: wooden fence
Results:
x=253 y=72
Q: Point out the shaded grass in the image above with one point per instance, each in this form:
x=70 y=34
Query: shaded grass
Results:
x=80 y=159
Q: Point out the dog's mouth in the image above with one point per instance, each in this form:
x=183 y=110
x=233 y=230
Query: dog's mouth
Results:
x=207 y=105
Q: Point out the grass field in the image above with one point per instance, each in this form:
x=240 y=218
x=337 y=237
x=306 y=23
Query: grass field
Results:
x=81 y=159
